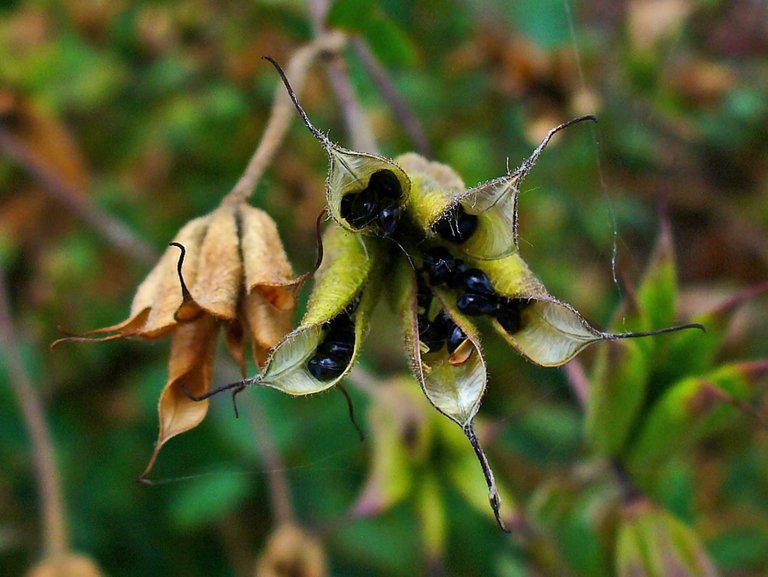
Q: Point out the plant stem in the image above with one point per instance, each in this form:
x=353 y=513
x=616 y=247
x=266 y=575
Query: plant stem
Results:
x=48 y=481
x=76 y=201
x=279 y=492
x=358 y=128
x=402 y=111
x=281 y=115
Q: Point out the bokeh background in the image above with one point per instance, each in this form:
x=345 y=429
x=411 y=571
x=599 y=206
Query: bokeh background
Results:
x=121 y=120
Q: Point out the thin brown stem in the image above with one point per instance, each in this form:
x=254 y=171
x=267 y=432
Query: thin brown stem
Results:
x=76 y=201
x=401 y=109
x=53 y=517
x=279 y=491
x=282 y=115
x=358 y=128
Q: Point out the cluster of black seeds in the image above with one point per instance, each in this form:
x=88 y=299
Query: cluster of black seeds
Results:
x=377 y=204
x=440 y=331
x=477 y=295
x=334 y=353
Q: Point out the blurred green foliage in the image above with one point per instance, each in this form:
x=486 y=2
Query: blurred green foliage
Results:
x=153 y=109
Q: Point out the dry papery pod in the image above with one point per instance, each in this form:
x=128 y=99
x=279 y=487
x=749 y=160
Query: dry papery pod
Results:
x=236 y=275
x=459 y=259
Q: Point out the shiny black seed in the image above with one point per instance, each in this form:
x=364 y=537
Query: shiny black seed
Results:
x=457 y=277
x=339 y=350
x=456 y=337
x=440 y=265
x=386 y=184
x=389 y=218
x=359 y=209
x=340 y=328
x=457 y=226
x=509 y=314
x=477 y=304
x=324 y=368
x=444 y=323
x=476 y=281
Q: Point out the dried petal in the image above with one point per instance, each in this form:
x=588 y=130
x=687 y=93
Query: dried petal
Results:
x=267 y=270
x=292 y=551
x=190 y=367
x=218 y=282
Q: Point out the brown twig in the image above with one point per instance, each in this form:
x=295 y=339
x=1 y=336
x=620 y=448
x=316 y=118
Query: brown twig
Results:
x=282 y=114
x=76 y=201
x=53 y=517
x=397 y=103
x=358 y=128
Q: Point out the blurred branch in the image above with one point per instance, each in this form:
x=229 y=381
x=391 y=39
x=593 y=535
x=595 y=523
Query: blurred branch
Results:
x=49 y=484
x=397 y=103
x=279 y=491
x=358 y=128
x=282 y=114
x=578 y=381
x=76 y=202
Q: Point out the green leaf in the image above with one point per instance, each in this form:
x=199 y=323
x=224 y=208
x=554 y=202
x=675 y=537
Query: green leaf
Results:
x=202 y=500
x=657 y=294
x=351 y=15
x=349 y=269
x=388 y=41
x=619 y=383
x=401 y=436
x=653 y=543
x=690 y=410
x=431 y=514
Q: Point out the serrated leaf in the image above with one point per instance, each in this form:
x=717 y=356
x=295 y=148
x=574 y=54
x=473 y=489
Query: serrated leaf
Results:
x=351 y=268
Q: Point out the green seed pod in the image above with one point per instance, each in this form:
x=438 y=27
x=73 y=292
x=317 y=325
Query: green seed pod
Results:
x=351 y=270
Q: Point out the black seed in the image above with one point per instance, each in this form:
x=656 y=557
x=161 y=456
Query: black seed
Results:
x=364 y=208
x=509 y=316
x=444 y=323
x=456 y=337
x=339 y=350
x=476 y=281
x=386 y=184
x=389 y=218
x=325 y=368
x=439 y=264
x=457 y=276
x=476 y=304
x=457 y=226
